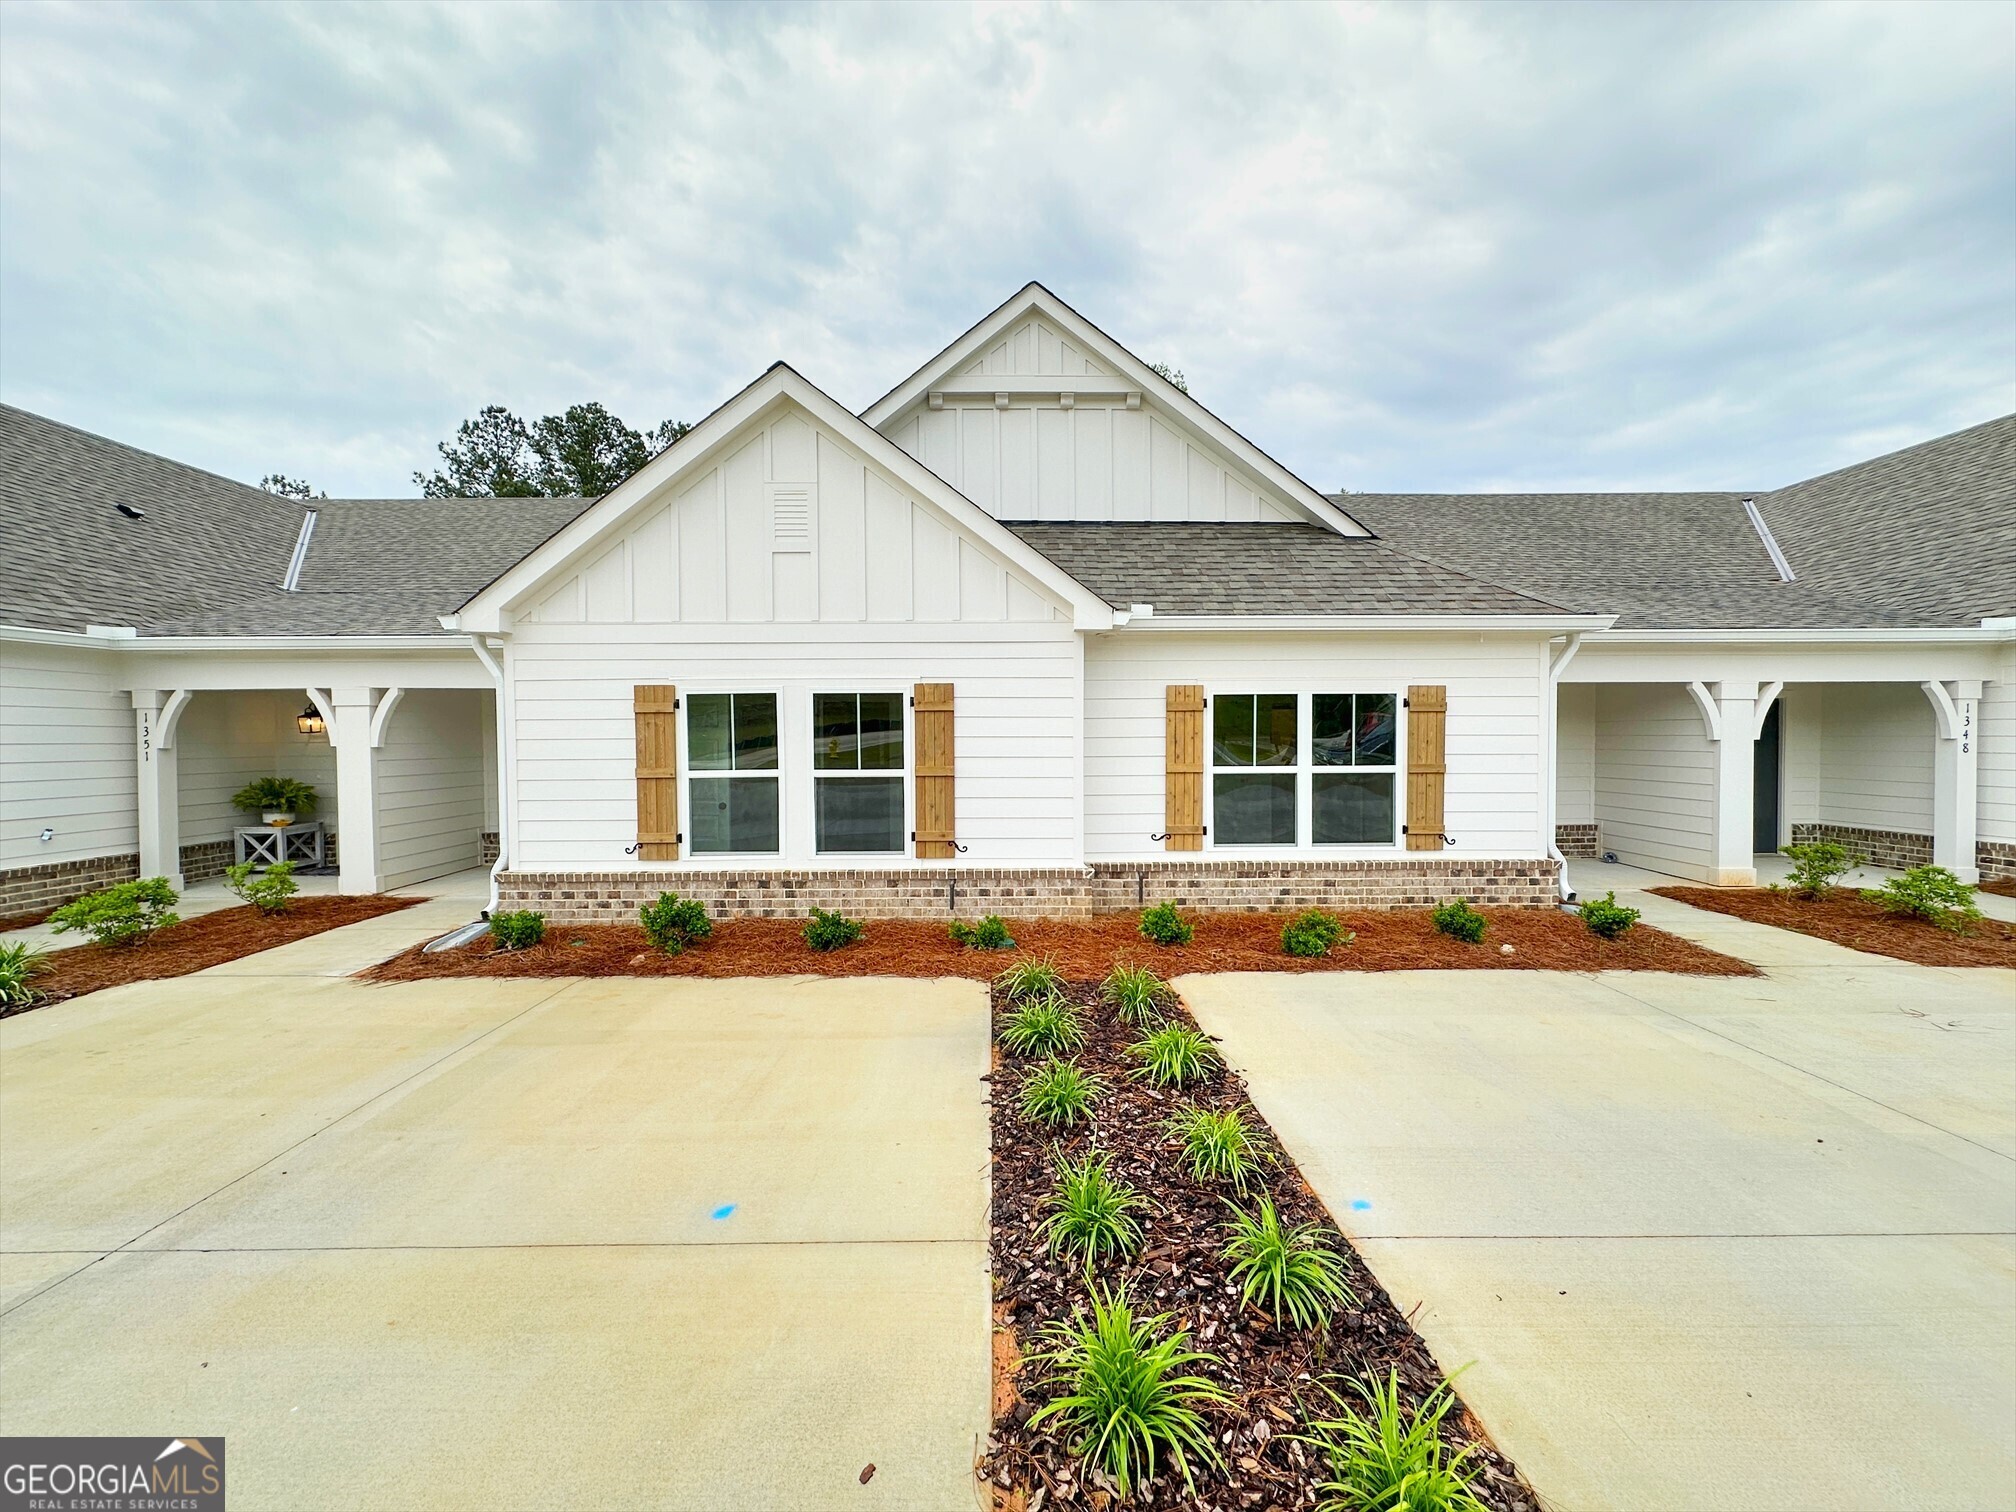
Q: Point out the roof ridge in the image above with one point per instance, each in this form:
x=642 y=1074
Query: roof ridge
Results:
x=141 y=451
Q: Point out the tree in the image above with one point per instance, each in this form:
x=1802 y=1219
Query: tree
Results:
x=583 y=451
x=490 y=457
x=289 y=488
x=1174 y=375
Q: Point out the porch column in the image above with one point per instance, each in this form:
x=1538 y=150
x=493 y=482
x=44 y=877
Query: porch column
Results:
x=160 y=788
x=1732 y=727
x=1956 y=719
x=356 y=789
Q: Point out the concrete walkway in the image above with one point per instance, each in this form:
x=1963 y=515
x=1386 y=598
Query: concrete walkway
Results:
x=502 y=1244
x=1710 y=1243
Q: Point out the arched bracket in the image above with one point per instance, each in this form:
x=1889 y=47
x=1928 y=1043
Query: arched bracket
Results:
x=171 y=716
x=1943 y=711
x=381 y=718
x=321 y=701
x=1765 y=699
x=1711 y=712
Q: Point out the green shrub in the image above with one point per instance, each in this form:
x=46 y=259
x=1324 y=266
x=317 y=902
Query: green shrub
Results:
x=1174 y=1056
x=1314 y=933
x=19 y=966
x=1606 y=917
x=1217 y=1146
x=672 y=922
x=125 y=914
x=1817 y=866
x=1931 y=893
x=831 y=931
x=1287 y=1271
x=1165 y=926
x=1058 y=1094
x=1044 y=1026
x=1127 y=1392
x=1090 y=1214
x=1459 y=919
x=281 y=794
x=268 y=893
x=1135 y=993
x=1390 y=1456
x=991 y=933
x=518 y=931
x=1030 y=977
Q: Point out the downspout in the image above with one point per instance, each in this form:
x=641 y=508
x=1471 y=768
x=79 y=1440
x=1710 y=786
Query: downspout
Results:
x=1556 y=665
x=494 y=665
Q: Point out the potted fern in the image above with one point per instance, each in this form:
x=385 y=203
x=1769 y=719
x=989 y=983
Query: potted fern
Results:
x=279 y=801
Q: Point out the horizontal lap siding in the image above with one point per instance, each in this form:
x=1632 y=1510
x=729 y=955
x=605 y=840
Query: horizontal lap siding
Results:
x=431 y=786
x=1655 y=777
x=1876 y=756
x=1998 y=753
x=66 y=757
x=225 y=739
x=1575 y=763
x=1014 y=734
x=1492 y=806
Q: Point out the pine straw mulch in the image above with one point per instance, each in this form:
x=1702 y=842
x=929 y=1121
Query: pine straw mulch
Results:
x=1542 y=939
x=1273 y=1374
x=207 y=940
x=1846 y=919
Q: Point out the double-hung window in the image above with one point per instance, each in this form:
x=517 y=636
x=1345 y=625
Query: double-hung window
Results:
x=731 y=752
x=858 y=772
x=1303 y=768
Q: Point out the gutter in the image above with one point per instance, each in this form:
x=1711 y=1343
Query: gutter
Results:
x=494 y=665
x=126 y=638
x=1573 y=624
x=1987 y=631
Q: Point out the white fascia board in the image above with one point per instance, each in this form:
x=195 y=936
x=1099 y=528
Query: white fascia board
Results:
x=1960 y=635
x=130 y=643
x=699 y=448
x=1034 y=299
x=1553 y=624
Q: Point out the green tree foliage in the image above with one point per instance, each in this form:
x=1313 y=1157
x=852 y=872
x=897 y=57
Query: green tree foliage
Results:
x=290 y=488
x=582 y=452
x=1174 y=375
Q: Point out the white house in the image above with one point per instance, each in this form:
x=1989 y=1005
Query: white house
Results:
x=1034 y=633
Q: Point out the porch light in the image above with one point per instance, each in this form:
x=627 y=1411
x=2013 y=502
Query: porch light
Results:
x=309 y=721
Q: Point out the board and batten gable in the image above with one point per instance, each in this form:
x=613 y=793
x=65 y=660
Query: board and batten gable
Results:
x=1493 y=746
x=1095 y=456
x=794 y=565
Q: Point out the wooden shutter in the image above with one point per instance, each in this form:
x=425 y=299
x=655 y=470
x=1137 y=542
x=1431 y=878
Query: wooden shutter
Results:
x=1183 y=779
x=931 y=726
x=1427 y=720
x=657 y=718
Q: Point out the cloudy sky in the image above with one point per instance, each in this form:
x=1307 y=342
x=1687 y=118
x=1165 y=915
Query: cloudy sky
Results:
x=1420 y=247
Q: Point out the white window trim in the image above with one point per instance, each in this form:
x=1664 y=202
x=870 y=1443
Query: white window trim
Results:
x=689 y=774
x=1304 y=770
x=904 y=695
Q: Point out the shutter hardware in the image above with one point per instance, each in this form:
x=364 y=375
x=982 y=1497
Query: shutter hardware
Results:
x=1447 y=839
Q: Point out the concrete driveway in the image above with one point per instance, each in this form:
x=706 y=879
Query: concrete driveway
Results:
x=1718 y=1244
x=505 y=1244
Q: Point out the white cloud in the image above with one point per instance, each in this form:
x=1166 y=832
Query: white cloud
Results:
x=1402 y=247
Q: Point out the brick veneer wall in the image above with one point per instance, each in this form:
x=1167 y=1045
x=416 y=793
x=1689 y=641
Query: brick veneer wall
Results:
x=204 y=860
x=487 y=848
x=34 y=889
x=1579 y=841
x=1067 y=892
x=1996 y=858
x=1899 y=848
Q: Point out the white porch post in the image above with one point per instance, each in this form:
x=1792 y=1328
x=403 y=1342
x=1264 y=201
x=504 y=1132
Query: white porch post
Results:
x=1956 y=711
x=1733 y=729
x=356 y=789
x=160 y=788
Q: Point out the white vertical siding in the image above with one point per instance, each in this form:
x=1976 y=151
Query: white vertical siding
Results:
x=1655 y=777
x=1575 y=755
x=431 y=786
x=1876 y=756
x=66 y=757
x=1493 y=805
x=1998 y=752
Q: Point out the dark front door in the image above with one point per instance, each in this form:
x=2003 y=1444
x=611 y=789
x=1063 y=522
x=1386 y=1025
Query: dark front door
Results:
x=1770 y=756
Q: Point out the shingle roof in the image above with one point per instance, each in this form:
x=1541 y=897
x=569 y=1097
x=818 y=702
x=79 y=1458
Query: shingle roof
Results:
x=1195 y=568
x=209 y=554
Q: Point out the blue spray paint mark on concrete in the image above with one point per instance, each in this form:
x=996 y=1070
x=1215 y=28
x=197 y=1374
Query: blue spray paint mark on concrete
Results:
x=726 y=1209
x=1360 y=1205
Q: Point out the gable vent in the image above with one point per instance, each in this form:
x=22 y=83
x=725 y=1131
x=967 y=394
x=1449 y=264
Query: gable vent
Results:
x=790 y=516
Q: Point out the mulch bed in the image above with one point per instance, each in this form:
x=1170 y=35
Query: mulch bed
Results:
x=1542 y=939
x=207 y=940
x=1846 y=919
x=1272 y=1373
x=2002 y=887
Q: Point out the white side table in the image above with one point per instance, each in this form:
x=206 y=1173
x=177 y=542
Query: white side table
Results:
x=269 y=843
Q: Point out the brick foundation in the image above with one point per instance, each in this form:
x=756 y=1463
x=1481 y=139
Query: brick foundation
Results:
x=1578 y=842
x=1996 y=858
x=487 y=848
x=1901 y=849
x=1050 y=892
x=202 y=861
x=36 y=889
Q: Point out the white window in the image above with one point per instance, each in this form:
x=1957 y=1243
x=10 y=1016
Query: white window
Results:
x=1292 y=769
x=731 y=761
x=859 y=773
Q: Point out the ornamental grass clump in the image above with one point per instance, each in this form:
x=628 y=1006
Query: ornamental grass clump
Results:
x=1030 y=977
x=831 y=931
x=1128 y=1392
x=1044 y=1026
x=1174 y=1055
x=518 y=931
x=1314 y=933
x=1218 y=1146
x=19 y=966
x=125 y=914
x=1135 y=994
x=1459 y=920
x=990 y=933
x=268 y=893
x=1817 y=866
x=1090 y=1213
x=1165 y=926
x=1606 y=918
x=1931 y=893
x=1285 y=1270
x=1389 y=1456
x=1059 y=1094
x=672 y=923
